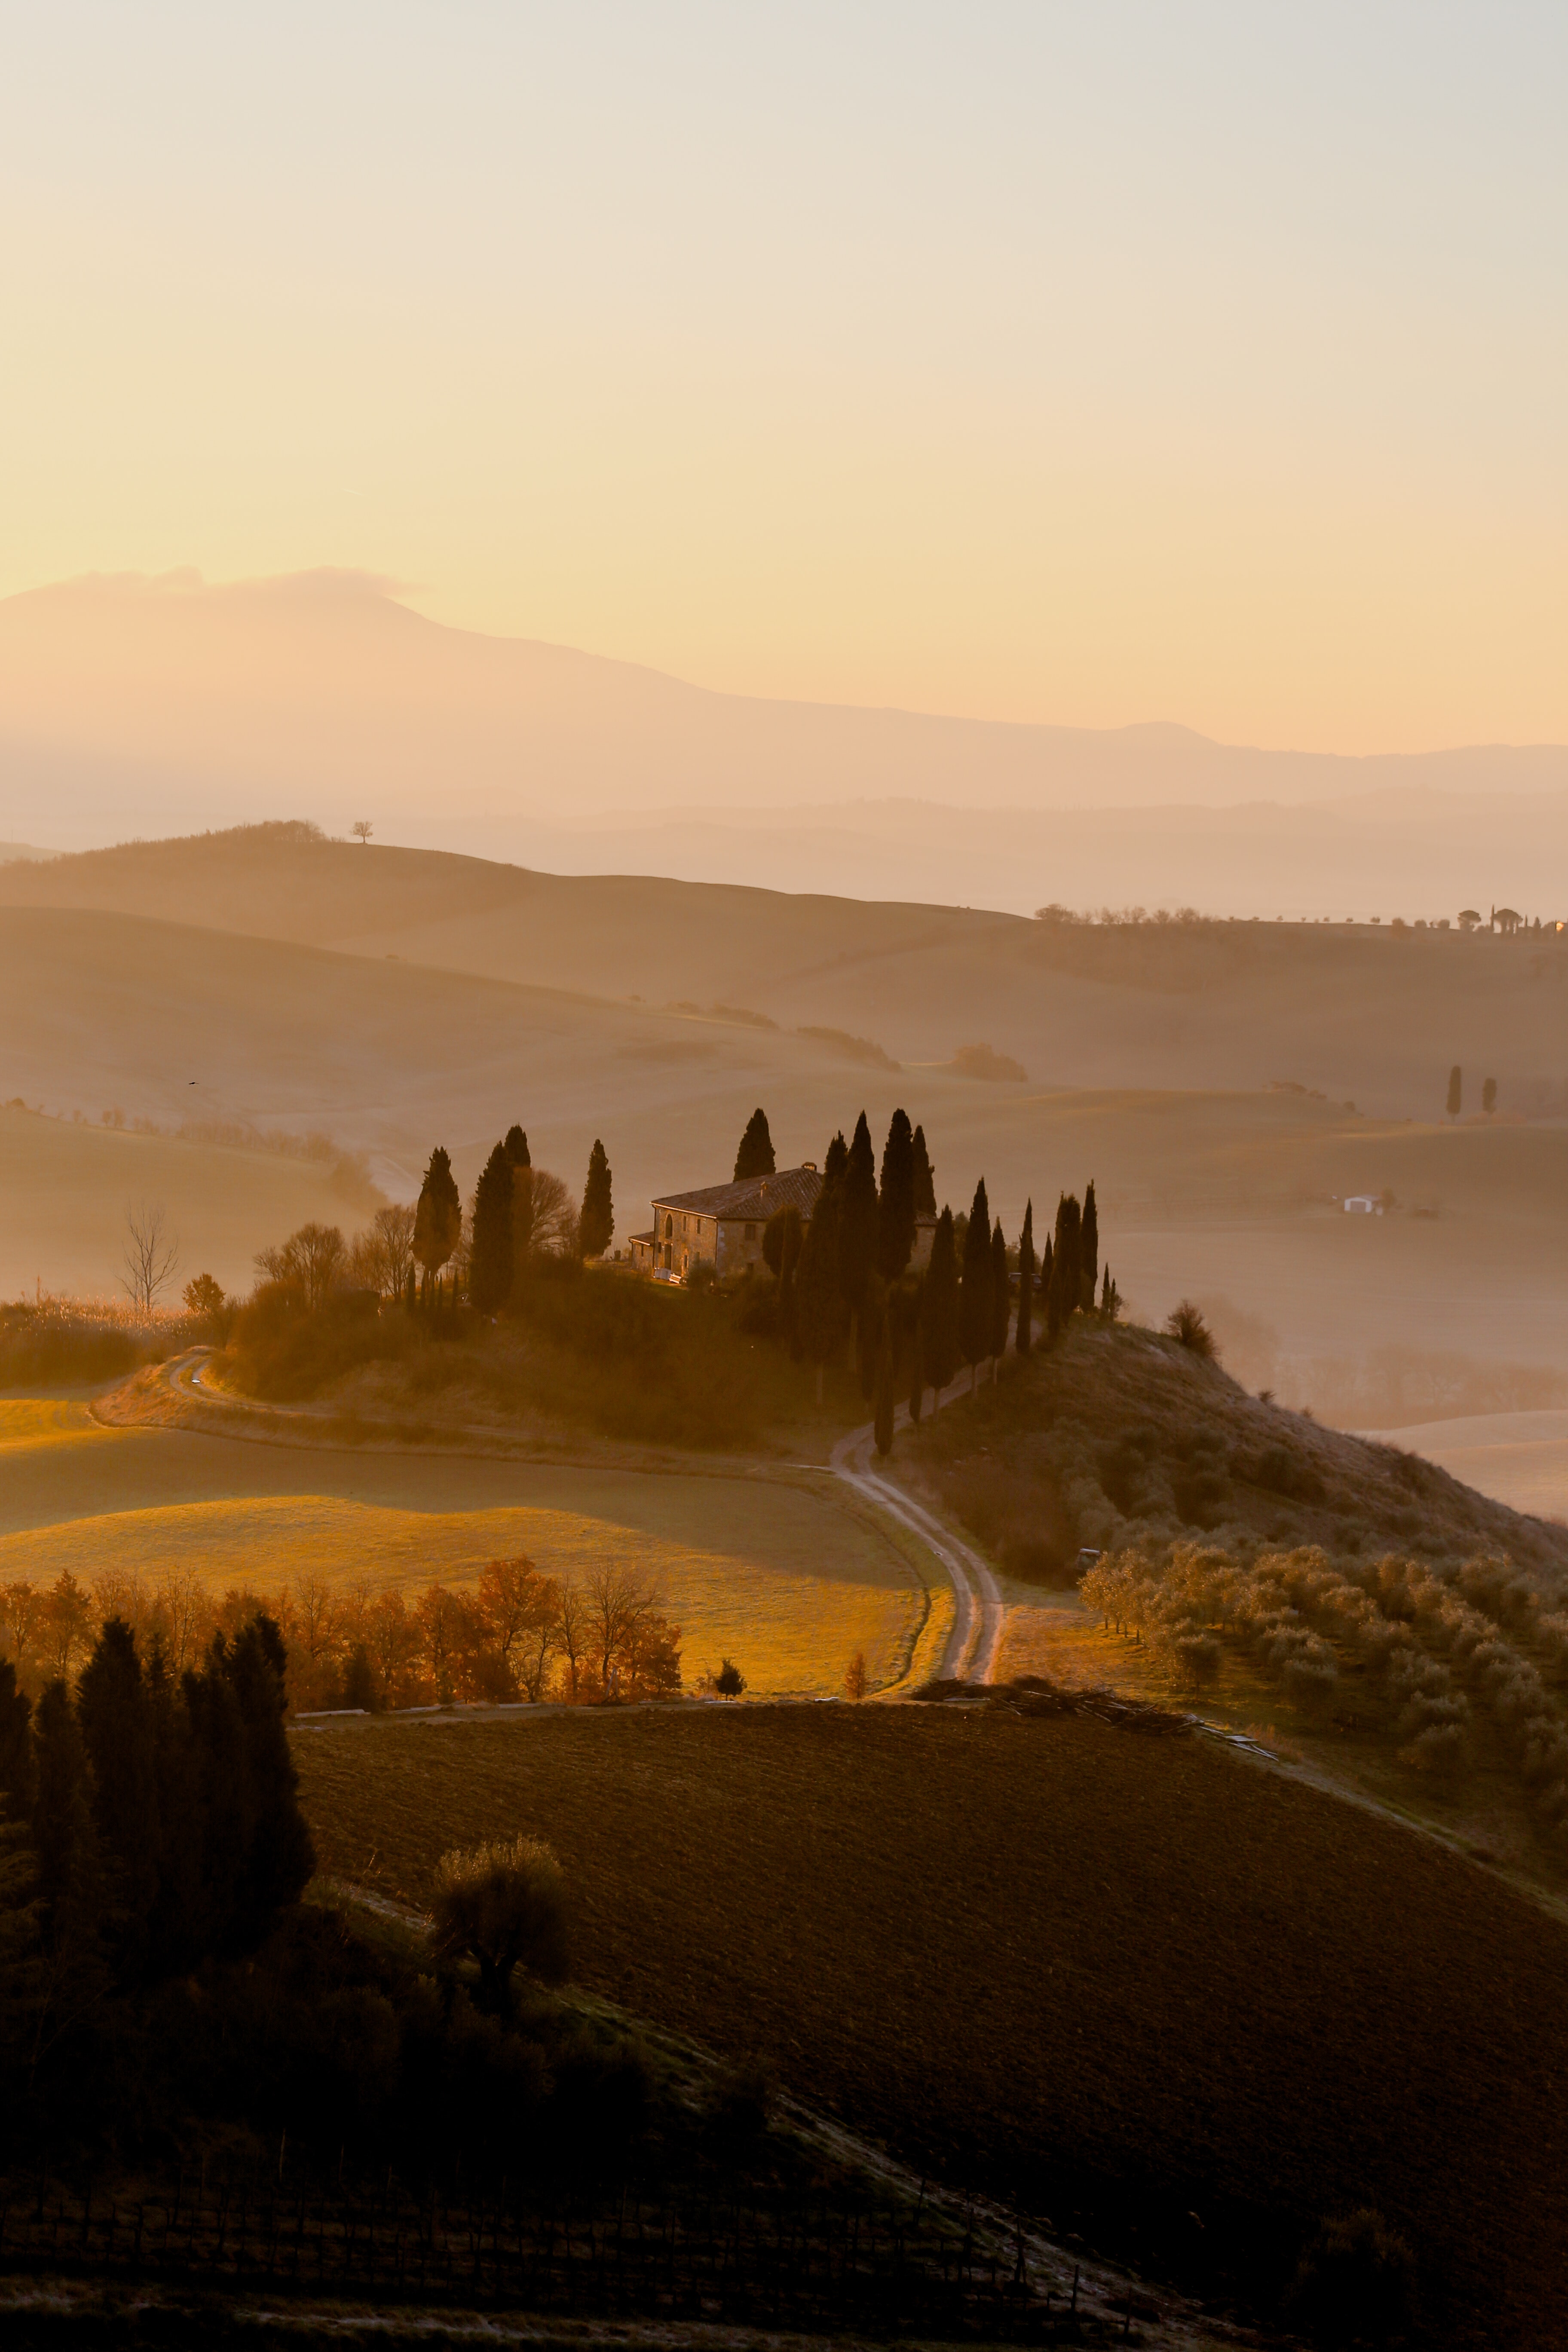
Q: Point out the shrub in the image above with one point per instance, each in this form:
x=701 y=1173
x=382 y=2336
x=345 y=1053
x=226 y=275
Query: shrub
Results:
x=855 y=1677
x=729 y=1682
x=502 y=1905
x=1186 y=1326
x=1356 y=2282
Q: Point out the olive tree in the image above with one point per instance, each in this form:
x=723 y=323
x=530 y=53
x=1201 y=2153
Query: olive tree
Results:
x=503 y=1906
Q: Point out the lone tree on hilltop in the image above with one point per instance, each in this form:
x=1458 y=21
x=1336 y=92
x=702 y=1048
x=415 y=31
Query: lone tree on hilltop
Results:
x=1025 y=1339
x=755 y=1155
x=998 y=1293
x=1186 y=1326
x=1089 y=1248
x=439 y=1218
x=974 y=1297
x=489 y=1254
x=1489 y=1096
x=925 y=1177
x=1456 y=1091
x=361 y=829
x=597 y=1220
x=503 y=1906
x=895 y=1201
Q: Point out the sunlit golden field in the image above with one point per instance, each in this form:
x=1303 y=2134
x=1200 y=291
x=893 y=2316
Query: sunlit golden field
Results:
x=782 y=1577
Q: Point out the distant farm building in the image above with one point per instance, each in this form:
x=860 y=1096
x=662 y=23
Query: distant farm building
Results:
x=723 y=1225
x=1362 y=1204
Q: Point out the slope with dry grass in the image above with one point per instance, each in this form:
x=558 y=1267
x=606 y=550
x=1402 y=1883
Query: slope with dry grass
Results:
x=1161 y=1996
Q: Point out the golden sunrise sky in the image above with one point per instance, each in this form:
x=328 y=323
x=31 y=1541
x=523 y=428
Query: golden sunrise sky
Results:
x=1086 y=363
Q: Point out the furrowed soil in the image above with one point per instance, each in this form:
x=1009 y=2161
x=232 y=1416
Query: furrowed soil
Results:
x=1152 y=1990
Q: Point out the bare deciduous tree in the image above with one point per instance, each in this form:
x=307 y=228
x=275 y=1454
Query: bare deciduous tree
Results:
x=312 y=1259
x=361 y=829
x=151 y=1253
x=554 y=1228
x=382 y=1255
x=572 y=1631
x=619 y=1604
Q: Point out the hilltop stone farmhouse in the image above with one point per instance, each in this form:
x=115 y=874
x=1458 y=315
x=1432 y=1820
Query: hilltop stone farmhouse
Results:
x=722 y=1223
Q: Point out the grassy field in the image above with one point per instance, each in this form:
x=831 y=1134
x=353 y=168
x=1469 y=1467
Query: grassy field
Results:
x=789 y=1577
x=1159 y=1994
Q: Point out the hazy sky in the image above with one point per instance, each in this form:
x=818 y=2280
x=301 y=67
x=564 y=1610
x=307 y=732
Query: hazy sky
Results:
x=1086 y=363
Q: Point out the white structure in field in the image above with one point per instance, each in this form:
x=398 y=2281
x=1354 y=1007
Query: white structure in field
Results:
x=1362 y=1204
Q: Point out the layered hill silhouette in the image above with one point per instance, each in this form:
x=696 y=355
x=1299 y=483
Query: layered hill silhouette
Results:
x=144 y=705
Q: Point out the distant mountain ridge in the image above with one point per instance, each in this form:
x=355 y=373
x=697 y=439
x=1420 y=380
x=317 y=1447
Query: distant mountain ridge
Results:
x=134 y=706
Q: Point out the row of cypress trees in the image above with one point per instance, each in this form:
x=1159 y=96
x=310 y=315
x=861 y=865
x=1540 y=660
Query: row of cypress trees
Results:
x=146 y=1825
x=503 y=1217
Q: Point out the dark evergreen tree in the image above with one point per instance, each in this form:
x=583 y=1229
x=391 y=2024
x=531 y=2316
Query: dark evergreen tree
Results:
x=896 y=1200
x=1067 y=1288
x=1048 y=1289
x=791 y=1240
x=755 y=1154
x=516 y=1148
x=1110 y=1298
x=16 y=1778
x=438 y=1219
x=278 y=1856
x=598 y=1221
x=1089 y=1248
x=924 y=1177
x=116 y=1719
x=836 y=1162
x=917 y=1357
x=819 y=1310
x=1025 y=1339
x=68 y=1883
x=489 y=1254
x=883 y=1419
x=974 y=1297
x=999 y=1304
x=939 y=1307
x=176 y=1933
x=858 y=1219
x=868 y=1331
x=1456 y=1091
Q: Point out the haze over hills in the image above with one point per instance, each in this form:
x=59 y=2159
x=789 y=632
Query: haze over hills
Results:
x=131 y=706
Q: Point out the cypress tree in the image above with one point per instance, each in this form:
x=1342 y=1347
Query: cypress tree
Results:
x=68 y=1883
x=858 y=1220
x=1456 y=1091
x=998 y=1293
x=1088 y=1247
x=792 y=1238
x=516 y=1148
x=818 y=1292
x=1048 y=1289
x=896 y=1202
x=1065 y=1287
x=438 y=1219
x=178 y=1918
x=116 y=1723
x=1025 y=1339
x=975 y=1297
x=17 y=1777
x=521 y=1199
x=924 y=1177
x=836 y=1163
x=598 y=1221
x=883 y=1419
x=280 y=1856
x=939 y=1307
x=755 y=1155
x=917 y=1357
x=490 y=1257
x=869 y=1329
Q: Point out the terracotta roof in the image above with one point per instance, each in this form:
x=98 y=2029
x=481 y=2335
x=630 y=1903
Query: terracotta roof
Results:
x=754 y=1196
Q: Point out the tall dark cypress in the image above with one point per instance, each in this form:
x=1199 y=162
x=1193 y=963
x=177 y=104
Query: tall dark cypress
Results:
x=754 y=1156
x=1048 y=1289
x=17 y=1777
x=868 y=1325
x=1025 y=1339
x=974 y=1299
x=819 y=1312
x=598 y=1221
x=516 y=1152
x=792 y=1237
x=939 y=1307
x=489 y=1256
x=895 y=1201
x=925 y=1176
x=65 y=1846
x=882 y=1420
x=998 y=1292
x=858 y=1219
x=835 y=1163
x=1066 y=1286
x=1089 y=1248
x=116 y=1719
x=281 y=1856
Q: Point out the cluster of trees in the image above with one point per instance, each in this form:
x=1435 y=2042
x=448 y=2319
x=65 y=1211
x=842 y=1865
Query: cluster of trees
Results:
x=845 y=1278
x=148 y=1822
x=429 y=1254
x=515 y=1634
x=1455 y=1097
x=1436 y=1646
